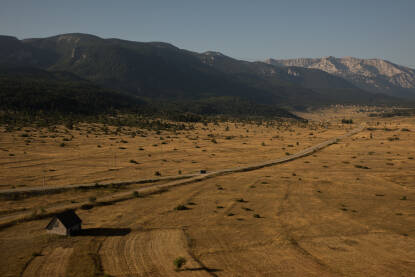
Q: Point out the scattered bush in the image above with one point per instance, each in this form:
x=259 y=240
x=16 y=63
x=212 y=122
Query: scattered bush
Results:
x=361 y=166
x=181 y=208
x=86 y=206
x=347 y=121
x=241 y=200
x=179 y=262
x=36 y=254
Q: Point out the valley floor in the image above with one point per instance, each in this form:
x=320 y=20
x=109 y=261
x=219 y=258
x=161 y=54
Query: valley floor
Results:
x=347 y=210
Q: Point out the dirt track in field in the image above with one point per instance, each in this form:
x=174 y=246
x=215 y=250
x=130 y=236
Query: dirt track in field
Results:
x=347 y=210
x=24 y=215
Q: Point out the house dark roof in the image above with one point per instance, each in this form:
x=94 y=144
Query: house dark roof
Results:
x=68 y=218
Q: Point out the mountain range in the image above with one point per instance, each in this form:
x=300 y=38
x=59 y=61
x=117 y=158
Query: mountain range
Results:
x=209 y=82
x=375 y=75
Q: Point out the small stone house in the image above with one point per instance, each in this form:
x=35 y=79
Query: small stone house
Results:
x=65 y=224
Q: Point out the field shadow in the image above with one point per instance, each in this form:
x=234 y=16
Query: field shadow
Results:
x=210 y=270
x=103 y=232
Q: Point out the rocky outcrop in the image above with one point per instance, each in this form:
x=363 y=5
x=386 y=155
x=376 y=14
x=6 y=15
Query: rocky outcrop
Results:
x=376 y=75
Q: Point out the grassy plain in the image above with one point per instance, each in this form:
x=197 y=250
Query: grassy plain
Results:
x=347 y=210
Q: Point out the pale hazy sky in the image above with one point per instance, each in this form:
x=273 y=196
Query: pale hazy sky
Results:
x=251 y=30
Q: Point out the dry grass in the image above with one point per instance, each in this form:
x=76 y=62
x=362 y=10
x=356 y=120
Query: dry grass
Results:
x=317 y=216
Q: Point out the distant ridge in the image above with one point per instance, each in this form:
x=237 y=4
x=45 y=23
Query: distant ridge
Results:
x=165 y=73
x=374 y=75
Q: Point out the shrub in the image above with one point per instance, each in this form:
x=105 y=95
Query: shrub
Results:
x=181 y=208
x=347 y=121
x=157 y=173
x=86 y=206
x=179 y=262
x=257 y=216
x=69 y=124
x=361 y=166
x=136 y=194
x=36 y=254
x=133 y=162
x=92 y=199
x=241 y=200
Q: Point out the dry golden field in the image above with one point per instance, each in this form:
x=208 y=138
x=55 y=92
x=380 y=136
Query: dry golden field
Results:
x=347 y=210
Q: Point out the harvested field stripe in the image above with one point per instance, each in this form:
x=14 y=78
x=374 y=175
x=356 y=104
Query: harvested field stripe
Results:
x=52 y=264
x=149 y=253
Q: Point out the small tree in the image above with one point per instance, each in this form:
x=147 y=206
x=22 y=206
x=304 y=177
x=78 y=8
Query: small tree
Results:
x=179 y=262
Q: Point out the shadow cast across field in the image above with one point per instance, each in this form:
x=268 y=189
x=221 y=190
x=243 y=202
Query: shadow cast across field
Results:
x=107 y=232
x=210 y=270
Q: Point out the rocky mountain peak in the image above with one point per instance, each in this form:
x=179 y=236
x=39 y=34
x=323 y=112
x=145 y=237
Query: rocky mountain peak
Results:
x=371 y=74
